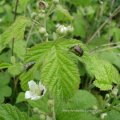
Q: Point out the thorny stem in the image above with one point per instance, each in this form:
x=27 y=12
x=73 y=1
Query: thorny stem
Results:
x=105 y=49
x=104 y=45
x=29 y=34
x=13 y=40
x=15 y=14
x=54 y=117
x=116 y=11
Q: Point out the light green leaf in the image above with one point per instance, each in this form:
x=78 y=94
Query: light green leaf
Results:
x=105 y=75
x=5 y=90
x=20 y=49
x=58 y=72
x=8 y=112
x=79 y=26
x=61 y=14
x=113 y=115
x=26 y=76
x=22 y=5
x=78 y=107
x=20 y=97
x=104 y=72
x=15 y=31
x=4 y=65
x=112 y=56
x=15 y=69
x=41 y=104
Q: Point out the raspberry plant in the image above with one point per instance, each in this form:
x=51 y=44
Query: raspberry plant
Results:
x=59 y=60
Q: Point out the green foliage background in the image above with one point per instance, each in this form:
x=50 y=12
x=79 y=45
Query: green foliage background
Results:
x=80 y=86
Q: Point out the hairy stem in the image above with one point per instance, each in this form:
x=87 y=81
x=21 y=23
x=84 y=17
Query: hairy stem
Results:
x=116 y=11
x=15 y=14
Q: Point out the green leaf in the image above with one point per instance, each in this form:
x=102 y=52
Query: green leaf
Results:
x=79 y=26
x=22 y=6
x=61 y=14
x=20 y=97
x=15 y=69
x=80 y=2
x=59 y=71
x=112 y=56
x=20 y=49
x=41 y=104
x=29 y=75
x=4 y=65
x=104 y=72
x=15 y=31
x=82 y=100
x=78 y=107
x=5 y=90
x=112 y=115
x=8 y=112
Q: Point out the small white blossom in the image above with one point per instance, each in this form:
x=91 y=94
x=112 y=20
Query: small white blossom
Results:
x=36 y=91
x=62 y=29
x=103 y=115
x=107 y=96
x=42 y=30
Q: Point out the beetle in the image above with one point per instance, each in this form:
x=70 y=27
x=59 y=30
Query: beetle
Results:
x=77 y=50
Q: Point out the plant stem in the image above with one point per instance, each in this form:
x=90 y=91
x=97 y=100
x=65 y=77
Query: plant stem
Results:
x=104 y=45
x=53 y=109
x=105 y=49
x=15 y=14
x=30 y=32
x=116 y=11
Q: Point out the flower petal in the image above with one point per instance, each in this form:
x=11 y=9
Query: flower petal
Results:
x=32 y=85
x=35 y=97
x=42 y=88
x=27 y=95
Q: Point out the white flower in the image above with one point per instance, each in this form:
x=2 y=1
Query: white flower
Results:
x=62 y=29
x=103 y=115
x=35 y=91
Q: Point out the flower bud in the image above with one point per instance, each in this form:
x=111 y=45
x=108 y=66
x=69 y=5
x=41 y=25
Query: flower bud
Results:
x=42 y=5
x=102 y=116
x=41 y=15
x=107 y=96
x=115 y=91
x=42 y=30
